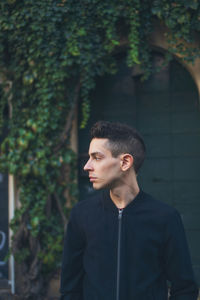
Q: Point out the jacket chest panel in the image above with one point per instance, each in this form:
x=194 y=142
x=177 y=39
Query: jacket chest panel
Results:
x=139 y=235
x=143 y=236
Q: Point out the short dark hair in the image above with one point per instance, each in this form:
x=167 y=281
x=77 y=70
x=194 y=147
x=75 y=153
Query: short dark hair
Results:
x=122 y=139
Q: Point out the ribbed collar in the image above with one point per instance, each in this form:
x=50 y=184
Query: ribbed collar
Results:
x=110 y=205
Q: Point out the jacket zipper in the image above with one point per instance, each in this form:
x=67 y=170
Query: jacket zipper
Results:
x=119 y=251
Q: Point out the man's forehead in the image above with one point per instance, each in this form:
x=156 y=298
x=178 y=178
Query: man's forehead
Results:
x=98 y=145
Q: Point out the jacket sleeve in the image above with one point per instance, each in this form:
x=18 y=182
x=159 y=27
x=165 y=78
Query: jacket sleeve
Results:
x=72 y=262
x=177 y=261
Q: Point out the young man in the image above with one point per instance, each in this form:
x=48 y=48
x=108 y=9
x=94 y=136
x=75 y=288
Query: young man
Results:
x=124 y=245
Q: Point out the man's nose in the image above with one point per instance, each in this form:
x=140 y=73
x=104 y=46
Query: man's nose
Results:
x=88 y=166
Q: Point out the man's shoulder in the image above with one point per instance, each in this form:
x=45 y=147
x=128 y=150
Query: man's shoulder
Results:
x=88 y=204
x=159 y=207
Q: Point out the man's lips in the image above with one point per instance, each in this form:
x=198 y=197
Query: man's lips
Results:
x=92 y=178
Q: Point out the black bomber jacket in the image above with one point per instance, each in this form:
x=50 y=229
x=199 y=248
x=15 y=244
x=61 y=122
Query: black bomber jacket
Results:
x=128 y=255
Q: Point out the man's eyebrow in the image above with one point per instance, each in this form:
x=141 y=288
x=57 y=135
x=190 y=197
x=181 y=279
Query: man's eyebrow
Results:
x=96 y=153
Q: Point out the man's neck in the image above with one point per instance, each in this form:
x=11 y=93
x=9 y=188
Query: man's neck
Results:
x=122 y=196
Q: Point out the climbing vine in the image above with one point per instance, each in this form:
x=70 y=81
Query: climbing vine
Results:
x=51 y=53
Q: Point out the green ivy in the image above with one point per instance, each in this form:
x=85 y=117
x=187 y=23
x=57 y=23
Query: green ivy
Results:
x=51 y=53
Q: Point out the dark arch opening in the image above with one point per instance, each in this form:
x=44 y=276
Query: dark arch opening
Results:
x=165 y=109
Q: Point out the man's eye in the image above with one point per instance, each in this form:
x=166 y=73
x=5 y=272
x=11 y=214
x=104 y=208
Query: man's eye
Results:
x=97 y=158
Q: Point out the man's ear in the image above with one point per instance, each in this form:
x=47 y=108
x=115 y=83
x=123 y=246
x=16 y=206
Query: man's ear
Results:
x=127 y=161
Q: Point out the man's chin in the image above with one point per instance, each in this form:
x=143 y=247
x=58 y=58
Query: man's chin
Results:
x=97 y=186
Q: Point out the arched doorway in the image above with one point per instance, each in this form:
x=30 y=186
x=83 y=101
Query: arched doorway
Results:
x=165 y=109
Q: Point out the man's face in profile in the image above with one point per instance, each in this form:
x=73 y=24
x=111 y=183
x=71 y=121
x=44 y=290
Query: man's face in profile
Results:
x=104 y=169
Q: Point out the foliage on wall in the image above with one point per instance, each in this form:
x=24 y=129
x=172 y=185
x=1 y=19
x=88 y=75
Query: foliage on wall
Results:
x=50 y=55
